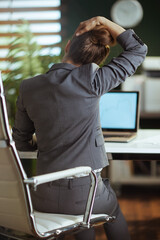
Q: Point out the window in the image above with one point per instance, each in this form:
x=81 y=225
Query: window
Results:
x=44 y=21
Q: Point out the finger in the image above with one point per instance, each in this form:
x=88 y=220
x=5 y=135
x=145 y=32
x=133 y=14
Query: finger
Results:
x=82 y=30
x=86 y=26
x=83 y=27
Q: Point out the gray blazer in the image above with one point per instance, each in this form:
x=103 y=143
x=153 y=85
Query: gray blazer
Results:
x=62 y=108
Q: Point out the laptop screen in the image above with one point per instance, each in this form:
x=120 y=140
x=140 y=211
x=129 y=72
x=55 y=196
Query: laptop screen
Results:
x=119 y=111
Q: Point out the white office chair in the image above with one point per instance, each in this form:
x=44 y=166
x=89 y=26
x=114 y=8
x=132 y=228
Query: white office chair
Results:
x=18 y=220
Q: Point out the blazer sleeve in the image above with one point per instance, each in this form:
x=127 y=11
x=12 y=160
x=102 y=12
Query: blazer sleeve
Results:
x=24 y=128
x=111 y=75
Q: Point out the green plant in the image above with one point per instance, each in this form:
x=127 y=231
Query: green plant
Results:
x=24 y=61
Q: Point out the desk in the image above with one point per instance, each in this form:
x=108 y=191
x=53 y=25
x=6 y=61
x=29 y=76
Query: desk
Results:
x=146 y=146
x=28 y=155
x=146 y=143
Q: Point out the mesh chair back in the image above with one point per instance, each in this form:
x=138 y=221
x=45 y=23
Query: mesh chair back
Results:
x=15 y=204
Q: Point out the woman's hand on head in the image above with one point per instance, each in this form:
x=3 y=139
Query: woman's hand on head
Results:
x=88 y=25
x=113 y=28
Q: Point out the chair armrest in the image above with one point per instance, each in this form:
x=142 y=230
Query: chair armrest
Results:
x=72 y=172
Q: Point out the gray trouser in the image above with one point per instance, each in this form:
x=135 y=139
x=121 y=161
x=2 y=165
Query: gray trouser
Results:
x=50 y=197
x=68 y=196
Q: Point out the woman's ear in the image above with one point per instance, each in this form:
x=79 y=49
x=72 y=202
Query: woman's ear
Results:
x=67 y=46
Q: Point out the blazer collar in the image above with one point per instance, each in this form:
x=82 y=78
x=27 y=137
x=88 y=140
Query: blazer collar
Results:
x=66 y=66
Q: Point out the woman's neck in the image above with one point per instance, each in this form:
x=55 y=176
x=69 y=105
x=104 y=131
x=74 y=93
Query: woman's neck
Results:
x=65 y=60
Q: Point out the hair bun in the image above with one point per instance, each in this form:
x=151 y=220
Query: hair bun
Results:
x=101 y=36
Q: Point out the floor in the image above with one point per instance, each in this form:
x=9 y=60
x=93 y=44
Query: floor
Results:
x=141 y=207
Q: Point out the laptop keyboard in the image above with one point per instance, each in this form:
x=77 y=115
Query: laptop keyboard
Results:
x=121 y=136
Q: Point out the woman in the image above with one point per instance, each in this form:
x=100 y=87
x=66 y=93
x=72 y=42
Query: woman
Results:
x=62 y=108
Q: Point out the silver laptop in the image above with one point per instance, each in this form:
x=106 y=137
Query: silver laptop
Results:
x=119 y=115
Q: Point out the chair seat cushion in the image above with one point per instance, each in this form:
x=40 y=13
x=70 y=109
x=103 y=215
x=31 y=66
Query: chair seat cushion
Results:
x=48 y=222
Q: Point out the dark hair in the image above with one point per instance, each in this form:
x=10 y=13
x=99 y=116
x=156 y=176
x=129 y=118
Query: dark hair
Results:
x=90 y=47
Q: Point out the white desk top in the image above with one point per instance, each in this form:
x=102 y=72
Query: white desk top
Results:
x=146 y=142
